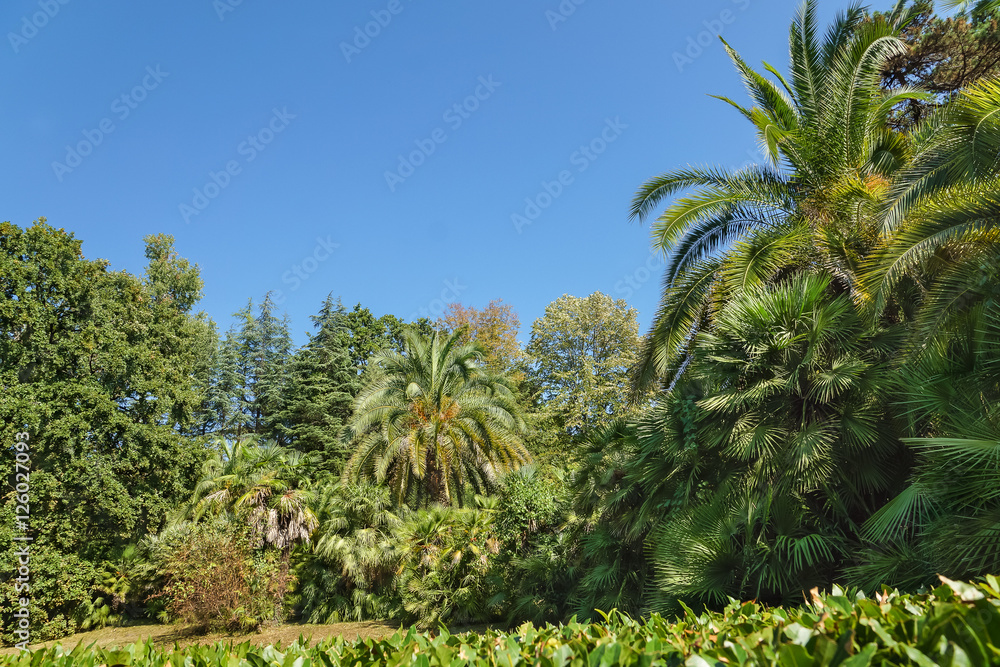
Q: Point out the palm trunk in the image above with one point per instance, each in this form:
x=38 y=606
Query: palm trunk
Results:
x=436 y=489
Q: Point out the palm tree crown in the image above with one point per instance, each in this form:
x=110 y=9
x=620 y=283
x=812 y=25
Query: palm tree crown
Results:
x=432 y=420
x=830 y=154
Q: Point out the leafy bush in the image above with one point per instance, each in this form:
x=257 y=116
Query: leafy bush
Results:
x=215 y=580
x=445 y=565
x=955 y=624
x=59 y=583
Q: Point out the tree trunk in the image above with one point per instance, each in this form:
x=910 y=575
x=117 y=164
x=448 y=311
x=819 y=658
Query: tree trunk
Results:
x=435 y=479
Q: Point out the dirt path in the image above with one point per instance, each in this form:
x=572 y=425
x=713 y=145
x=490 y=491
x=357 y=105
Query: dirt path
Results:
x=166 y=635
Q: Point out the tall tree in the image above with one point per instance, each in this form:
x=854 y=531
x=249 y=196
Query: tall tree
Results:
x=322 y=383
x=253 y=364
x=580 y=354
x=96 y=367
x=433 y=421
x=495 y=327
x=831 y=153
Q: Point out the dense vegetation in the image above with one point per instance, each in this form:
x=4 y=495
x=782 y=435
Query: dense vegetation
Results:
x=955 y=624
x=816 y=404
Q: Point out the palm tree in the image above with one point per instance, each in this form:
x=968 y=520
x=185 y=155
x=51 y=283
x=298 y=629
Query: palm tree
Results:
x=432 y=420
x=445 y=562
x=942 y=221
x=796 y=417
x=356 y=556
x=938 y=272
x=947 y=519
x=974 y=7
x=259 y=484
x=830 y=154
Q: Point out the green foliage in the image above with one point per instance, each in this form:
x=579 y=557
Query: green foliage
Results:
x=252 y=371
x=320 y=388
x=955 y=624
x=526 y=504
x=948 y=517
x=96 y=367
x=123 y=589
x=258 y=486
x=446 y=558
x=215 y=580
x=370 y=335
x=432 y=422
x=580 y=354
x=945 y=56
x=815 y=205
x=59 y=584
x=350 y=574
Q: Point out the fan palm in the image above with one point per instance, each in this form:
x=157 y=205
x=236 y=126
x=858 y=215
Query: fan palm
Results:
x=258 y=484
x=444 y=567
x=795 y=414
x=947 y=521
x=433 y=420
x=830 y=152
x=356 y=556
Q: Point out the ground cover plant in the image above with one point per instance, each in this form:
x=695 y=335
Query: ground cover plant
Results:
x=956 y=623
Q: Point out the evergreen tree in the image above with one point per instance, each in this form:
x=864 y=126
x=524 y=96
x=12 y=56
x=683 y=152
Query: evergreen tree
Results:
x=322 y=383
x=274 y=353
x=250 y=371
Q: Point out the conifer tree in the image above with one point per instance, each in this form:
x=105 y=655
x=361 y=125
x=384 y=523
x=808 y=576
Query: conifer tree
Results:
x=322 y=383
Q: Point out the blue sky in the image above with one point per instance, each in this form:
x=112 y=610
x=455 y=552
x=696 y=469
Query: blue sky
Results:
x=377 y=150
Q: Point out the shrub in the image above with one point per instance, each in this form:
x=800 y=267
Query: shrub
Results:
x=955 y=624
x=214 y=580
x=59 y=582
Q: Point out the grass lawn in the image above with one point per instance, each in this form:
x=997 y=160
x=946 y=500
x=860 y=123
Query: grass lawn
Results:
x=167 y=635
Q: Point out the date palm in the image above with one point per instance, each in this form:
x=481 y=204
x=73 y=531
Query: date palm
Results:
x=942 y=222
x=829 y=156
x=432 y=420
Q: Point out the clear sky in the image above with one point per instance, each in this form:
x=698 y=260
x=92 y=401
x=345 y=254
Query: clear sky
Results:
x=377 y=150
